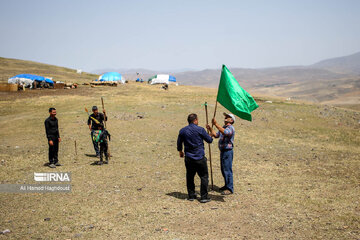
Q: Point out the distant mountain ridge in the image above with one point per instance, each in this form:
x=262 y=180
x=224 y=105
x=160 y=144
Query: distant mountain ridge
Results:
x=331 y=80
x=347 y=64
x=335 y=80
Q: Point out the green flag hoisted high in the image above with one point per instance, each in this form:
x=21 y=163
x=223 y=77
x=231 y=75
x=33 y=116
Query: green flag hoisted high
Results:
x=233 y=97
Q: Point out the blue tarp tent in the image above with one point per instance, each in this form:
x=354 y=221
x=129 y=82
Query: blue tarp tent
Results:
x=32 y=77
x=112 y=76
x=172 y=78
x=161 y=79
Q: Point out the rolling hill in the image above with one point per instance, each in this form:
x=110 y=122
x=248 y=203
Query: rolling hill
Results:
x=11 y=67
x=347 y=64
x=335 y=81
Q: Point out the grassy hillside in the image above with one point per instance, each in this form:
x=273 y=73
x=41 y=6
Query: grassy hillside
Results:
x=296 y=169
x=11 y=67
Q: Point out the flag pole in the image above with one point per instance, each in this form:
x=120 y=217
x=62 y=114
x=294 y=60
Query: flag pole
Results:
x=212 y=125
x=211 y=172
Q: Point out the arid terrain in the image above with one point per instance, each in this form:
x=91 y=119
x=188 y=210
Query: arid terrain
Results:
x=10 y=67
x=296 y=169
x=334 y=81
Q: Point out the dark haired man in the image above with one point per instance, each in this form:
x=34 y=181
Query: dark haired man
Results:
x=95 y=122
x=193 y=136
x=53 y=136
x=226 y=144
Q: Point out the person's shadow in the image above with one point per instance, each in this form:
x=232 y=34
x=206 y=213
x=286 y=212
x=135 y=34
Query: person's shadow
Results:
x=184 y=196
x=216 y=189
x=90 y=155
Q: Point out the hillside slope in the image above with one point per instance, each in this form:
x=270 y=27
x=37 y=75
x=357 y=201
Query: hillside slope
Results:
x=11 y=67
x=346 y=64
x=296 y=169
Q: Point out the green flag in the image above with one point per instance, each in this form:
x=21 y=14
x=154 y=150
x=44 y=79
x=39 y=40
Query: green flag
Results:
x=233 y=97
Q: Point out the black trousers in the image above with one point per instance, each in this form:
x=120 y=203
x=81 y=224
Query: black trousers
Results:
x=199 y=167
x=53 y=151
x=104 y=150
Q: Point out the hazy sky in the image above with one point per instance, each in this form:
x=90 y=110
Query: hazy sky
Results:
x=166 y=35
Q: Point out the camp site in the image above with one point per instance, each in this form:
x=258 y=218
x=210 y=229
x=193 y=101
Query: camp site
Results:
x=121 y=120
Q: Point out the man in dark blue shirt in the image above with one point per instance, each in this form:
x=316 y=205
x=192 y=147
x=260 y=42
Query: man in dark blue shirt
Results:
x=193 y=136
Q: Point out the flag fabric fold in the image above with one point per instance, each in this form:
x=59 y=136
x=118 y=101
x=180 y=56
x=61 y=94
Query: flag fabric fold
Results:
x=233 y=97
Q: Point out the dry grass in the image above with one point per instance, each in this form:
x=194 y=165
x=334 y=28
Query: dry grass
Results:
x=296 y=169
x=11 y=67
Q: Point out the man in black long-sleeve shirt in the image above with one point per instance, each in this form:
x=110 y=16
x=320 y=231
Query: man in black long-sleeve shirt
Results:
x=95 y=122
x=53 y=136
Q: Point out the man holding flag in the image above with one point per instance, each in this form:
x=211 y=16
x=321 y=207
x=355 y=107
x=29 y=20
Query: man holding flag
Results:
x=226 y=144
x=240 y=103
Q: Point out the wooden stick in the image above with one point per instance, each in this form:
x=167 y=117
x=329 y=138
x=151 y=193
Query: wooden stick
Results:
x=108 y=149
x=215 y=109
x=102 y=102
x=212 y=125
x=211 y=172
x=75 y=149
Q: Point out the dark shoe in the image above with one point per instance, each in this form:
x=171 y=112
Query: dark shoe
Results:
x=226 y=192
x=58 y=164
x=192 y=198
x=205 y=200
x=52 y=166
x=99 y=163
x=223 y=188
x=106 y=162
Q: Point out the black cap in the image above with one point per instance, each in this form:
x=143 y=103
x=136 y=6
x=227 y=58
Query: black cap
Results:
x=94 y=108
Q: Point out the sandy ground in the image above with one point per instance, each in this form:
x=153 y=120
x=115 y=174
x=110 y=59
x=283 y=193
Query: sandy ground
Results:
x=296 y=169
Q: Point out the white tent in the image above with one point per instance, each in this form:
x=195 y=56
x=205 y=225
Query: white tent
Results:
x=21 y=81
x=162 y=79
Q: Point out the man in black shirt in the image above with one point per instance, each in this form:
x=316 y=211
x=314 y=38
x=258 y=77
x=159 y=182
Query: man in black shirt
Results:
x=95 y=123
x=53 y=136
